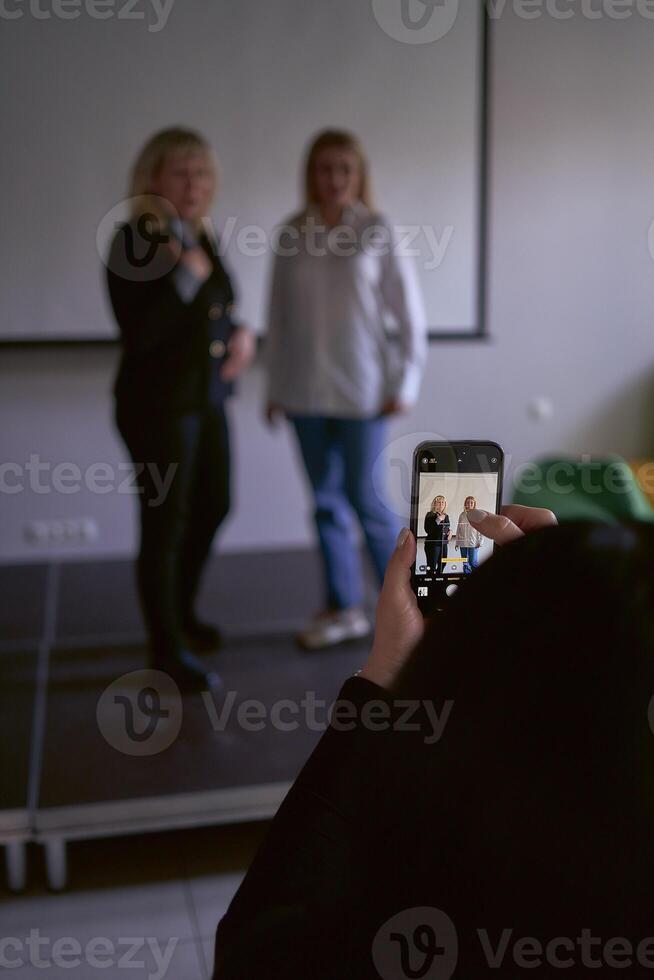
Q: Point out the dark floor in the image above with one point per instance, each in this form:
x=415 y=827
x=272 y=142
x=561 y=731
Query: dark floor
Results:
x=208 y=753
x=68 y=631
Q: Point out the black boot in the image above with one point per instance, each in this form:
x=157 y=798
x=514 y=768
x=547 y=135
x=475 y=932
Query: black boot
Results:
x=187 y=672
x=201 y=637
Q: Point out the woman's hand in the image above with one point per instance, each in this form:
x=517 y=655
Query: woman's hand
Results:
x=274 y=413
x=399 y=623
x=394 y=407
x=241 y=348
x=197 y=261
x=514 y=522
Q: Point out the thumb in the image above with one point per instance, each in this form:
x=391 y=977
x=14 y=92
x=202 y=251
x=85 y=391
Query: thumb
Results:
x=498 y=528
x=398 y=570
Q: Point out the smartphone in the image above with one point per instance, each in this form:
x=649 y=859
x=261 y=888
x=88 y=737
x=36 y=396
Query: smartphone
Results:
x=447 y=480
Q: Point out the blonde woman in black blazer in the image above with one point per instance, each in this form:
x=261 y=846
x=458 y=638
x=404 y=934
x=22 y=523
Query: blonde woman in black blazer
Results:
x=173 y=301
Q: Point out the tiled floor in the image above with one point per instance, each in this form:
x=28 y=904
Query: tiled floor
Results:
x=162 y=892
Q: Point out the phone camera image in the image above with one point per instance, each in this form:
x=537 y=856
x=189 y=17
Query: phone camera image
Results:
x=457 y=481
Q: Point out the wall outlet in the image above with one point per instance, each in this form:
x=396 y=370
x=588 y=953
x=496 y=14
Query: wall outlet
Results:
x=66 y=530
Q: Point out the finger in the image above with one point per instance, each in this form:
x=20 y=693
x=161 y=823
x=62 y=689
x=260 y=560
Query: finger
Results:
x=229 y=369
x=498 y=527
x=398 y=570
x=529 y=518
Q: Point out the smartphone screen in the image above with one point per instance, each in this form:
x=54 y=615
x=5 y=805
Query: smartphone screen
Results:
x=449 y=479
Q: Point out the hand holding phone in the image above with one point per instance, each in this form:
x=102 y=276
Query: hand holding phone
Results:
x=399 y=622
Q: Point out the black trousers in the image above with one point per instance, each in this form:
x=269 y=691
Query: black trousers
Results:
x=183 y=475
x=435 y=551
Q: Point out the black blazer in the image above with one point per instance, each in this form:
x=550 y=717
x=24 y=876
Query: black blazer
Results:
x=172 y=350
x=436 y=533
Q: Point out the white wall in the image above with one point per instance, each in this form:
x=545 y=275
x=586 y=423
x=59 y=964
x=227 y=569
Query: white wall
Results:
x=570 y=307
x=257 y=79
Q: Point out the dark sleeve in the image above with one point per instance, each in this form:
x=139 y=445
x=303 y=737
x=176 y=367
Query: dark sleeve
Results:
x=295 y=914
x=148 y=309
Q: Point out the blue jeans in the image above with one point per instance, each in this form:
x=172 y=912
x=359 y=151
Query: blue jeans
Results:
x=470 y=559
x=339 y=455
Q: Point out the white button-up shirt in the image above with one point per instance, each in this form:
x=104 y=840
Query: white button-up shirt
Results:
x=338 y=298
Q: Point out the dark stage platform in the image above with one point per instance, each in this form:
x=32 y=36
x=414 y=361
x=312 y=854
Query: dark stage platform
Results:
x=69 y=770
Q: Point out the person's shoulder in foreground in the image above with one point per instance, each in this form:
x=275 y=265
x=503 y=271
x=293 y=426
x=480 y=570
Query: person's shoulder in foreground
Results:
x=494 y=791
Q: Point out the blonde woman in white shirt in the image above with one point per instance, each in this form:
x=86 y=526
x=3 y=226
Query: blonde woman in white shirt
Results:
x=468 y=539
x=334 y=370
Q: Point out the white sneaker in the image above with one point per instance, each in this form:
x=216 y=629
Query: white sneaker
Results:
x=328 y=629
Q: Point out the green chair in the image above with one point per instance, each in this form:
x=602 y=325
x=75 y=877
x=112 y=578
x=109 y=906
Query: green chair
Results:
x=591 y=489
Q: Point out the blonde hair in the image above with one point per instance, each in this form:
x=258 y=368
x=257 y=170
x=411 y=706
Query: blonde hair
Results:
x=151 y=159
x=342 y=140
x=433 y=503
x=474 y=502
